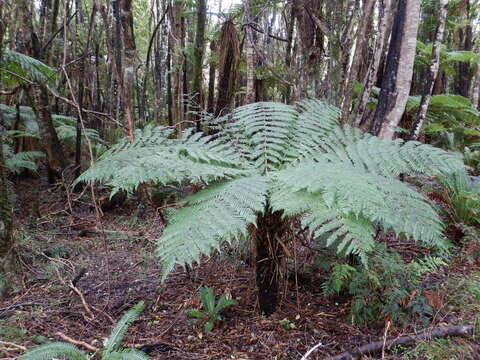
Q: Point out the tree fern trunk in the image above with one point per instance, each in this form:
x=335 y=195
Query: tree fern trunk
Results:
x=269 y=256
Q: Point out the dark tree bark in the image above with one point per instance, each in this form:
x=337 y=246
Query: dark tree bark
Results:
x=357 y=59
x=271 y=230
x=198 y=53
x=398 y=71
x=229 y=53
x=211 y=80
x=56 y=160
x=464 y=71
x=6 y=223
x=432 y=73
x=130 y=54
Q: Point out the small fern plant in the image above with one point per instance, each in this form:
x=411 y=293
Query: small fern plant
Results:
x=112 y=346
x=213 y=308
x=268 y=163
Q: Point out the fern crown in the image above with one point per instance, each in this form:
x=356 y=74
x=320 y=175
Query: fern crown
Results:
x=294 y=159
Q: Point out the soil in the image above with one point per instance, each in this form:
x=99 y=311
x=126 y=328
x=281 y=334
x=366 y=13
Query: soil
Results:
x=117 y=253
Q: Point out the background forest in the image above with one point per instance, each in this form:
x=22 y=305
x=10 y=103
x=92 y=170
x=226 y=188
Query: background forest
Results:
x=251 y=179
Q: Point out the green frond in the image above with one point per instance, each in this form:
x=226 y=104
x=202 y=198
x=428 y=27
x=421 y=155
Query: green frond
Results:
x=129 y=354
x=166 y=161
x=263 y=130
x=222 y=212
x=25 y=67
x=386 y=157
x=116 y=336
x=54 y=351
x=316 y=121
x=343 y=203
x=23 y=160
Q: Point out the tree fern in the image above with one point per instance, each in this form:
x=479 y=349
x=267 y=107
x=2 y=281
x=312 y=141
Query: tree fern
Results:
x=54 y=350
x=279 y=160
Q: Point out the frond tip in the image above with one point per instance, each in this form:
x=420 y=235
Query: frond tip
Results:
x=54 y=350
x=219 y=213
x=116 y=336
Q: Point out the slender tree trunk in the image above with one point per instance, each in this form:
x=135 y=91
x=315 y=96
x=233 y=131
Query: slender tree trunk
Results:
x=385 y=10
x=476 y=89
x=432 y=74
x=288 y=52
x=130 y=54
x=176 y=36
x=464 y=74
x=271 y=229
x=55 y=156
x=211 y=79
x=51 y=144
x=357 y=59
x=198 y=52
x=6 y=223
x=250 y=55
x=398 y=71
x=169 y=83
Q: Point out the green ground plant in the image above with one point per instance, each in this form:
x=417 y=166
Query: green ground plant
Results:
x=212 y=308
x=385 y=287
x=112 y=347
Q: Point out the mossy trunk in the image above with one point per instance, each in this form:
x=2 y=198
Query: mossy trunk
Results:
x=269 y=255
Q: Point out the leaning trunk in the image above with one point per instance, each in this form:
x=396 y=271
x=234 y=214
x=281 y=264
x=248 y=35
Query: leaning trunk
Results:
x=432 y=74
x=51 y=144
x=267 y=238
x=398 y=70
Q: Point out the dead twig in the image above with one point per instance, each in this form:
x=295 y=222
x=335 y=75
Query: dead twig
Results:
x=80 y=295
x=19 y=347
x=77 y=342
x=377 y=346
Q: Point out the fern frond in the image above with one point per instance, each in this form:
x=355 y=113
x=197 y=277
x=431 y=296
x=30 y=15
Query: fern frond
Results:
x=129 y=354
x=164 y=161
x=263 y=130
x=315 y=122
x=386 y=157
x=118 y=332
x=24 y=66
x=23 y=160
x=222 y=212
x=343 y=204
x=53 y=351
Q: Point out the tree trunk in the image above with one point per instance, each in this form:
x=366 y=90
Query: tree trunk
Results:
x=432 y=74
x=464 y=76
x=398 y=70
x=130 y=54
x=56 y=161
x=6 y=224
x=51 y=144
x=271 y=230
x=250 y=55
x=198 y=53
x=229 y=53
x=385 y=10
x=211 y=79
x=176 y=38
x=357 y=59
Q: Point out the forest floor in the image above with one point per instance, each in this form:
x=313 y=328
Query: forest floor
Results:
x=121 y=269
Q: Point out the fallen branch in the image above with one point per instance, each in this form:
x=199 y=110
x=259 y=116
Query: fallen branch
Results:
x=77 y=342
x=19 y=347
x=376 y=347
